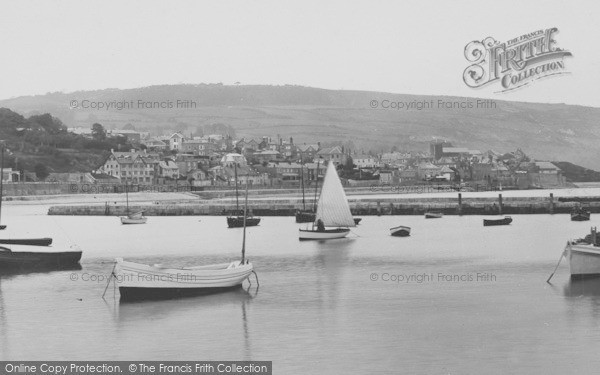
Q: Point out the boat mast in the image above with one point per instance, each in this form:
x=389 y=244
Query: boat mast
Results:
x=237 y=205
x=302 y=182
x=316 y=187
x=127 y=197
x=245 y=210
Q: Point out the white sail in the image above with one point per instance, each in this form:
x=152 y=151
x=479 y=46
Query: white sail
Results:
x=333 y=208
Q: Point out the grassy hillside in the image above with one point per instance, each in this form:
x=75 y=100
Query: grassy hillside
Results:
x=544 y=131
x=42 y=144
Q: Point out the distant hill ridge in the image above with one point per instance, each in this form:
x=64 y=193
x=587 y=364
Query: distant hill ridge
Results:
x=544 y=131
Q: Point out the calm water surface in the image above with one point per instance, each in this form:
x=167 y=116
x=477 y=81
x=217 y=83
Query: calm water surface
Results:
x=317 y=309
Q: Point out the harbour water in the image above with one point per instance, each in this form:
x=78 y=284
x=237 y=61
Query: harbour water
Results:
x=454 y=297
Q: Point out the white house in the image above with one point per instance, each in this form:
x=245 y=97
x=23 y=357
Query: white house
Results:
x=176 y=141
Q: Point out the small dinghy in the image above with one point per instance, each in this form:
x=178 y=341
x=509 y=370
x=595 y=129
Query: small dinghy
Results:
x=400 y=231
x=491 y=222
x=579 y=214
x=433 y=215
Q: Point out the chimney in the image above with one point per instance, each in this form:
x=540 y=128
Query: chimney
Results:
x=291 y=140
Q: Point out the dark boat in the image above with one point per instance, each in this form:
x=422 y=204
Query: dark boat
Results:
x=400 y=231
x=579 y=214
x=357 y=220
x=33 y=259
x=27 y=241
x=237 y=220
x=305 y=216
x=487 y=222
x=433 y=215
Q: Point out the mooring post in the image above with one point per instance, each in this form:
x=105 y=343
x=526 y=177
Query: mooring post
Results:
x=499 y=204
x=391 y=208
x=460 y=204
x=378 y=208
x=551 y=205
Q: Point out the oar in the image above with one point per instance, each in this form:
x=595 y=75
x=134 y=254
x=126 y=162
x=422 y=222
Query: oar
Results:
x=558 y=264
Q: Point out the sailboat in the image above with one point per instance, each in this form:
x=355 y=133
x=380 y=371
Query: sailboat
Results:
x=305 y=216
x=332 y=211
x=139 y=281
x=132 y=218
x=238 y=221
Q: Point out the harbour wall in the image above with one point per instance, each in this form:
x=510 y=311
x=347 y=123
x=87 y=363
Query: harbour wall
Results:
x=392 y=205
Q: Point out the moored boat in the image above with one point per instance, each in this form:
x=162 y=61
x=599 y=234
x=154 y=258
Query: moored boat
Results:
x=238 y=221
x=400 y=231
x=584 y=256
x=304 y=215
x=504 y=221
x=132 y=218
x=332 y=211
x=579 y=214
x=24 y=256
x=433 y=215
x=139 y=281
x=357 y=220
x=46 y=241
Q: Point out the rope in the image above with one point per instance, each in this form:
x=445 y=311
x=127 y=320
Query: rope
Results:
x=255 y=275
x=354 y=233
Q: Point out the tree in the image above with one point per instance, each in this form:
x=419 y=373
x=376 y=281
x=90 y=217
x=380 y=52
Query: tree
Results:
x=98 y=132
x=41 y=171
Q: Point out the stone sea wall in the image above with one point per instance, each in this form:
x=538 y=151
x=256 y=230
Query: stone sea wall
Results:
x=392 y=205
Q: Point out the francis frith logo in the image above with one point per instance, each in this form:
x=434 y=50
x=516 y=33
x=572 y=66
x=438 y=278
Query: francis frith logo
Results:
x=515 y=63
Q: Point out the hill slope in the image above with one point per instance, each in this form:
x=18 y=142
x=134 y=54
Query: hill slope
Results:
x=544 y=131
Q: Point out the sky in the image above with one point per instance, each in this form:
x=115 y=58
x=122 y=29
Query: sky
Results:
x=410 y=47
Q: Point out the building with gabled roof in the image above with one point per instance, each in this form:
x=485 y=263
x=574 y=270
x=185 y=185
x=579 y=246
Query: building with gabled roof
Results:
x=133 y=166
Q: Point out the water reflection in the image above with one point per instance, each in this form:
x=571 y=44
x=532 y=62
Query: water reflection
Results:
x=587 y=287
x=8 y=273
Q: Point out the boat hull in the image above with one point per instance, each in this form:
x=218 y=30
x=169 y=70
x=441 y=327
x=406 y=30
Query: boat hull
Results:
x=432 y=215
x=131 y=294
x=139 y=281
x=400 y=231
x=305 y=217
x=584 y=260
x=33 y=259
x=238 y=221
x=133 y=220
x=580 y=216
x=489 y=223
x=27 y=241
x=327 y=234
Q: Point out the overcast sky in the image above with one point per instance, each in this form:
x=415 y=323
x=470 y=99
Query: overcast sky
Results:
x=413 y=47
